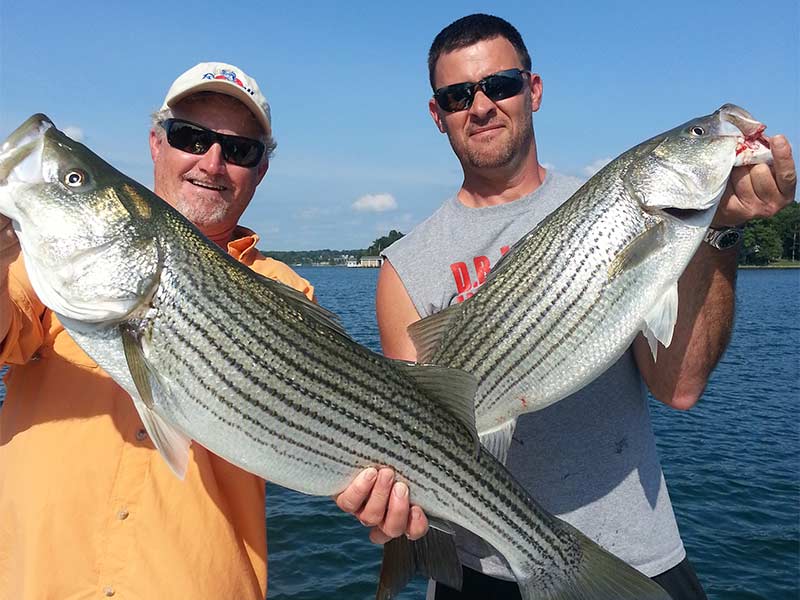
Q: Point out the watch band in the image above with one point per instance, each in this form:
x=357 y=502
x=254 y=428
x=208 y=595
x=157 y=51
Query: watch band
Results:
x=724 y=238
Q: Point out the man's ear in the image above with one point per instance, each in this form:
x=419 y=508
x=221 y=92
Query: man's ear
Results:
x=433 y=108
x=155 y=144
x=536 y=91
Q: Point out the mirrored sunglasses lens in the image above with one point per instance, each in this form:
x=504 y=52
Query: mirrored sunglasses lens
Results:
x=499 y=87
x=188 y=138
x=242 y=152
x=455 y=97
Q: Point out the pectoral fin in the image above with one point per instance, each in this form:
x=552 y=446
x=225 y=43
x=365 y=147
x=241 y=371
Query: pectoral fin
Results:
x=640 y=247
x=170 y=442
x=659 y=323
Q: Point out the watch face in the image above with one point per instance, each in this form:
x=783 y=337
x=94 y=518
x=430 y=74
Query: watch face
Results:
x=728 y=239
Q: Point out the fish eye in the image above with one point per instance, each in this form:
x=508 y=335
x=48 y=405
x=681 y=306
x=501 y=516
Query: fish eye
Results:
x=697 y=130
x=74 y=178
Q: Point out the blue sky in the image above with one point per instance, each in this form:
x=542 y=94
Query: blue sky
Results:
x=347 y=83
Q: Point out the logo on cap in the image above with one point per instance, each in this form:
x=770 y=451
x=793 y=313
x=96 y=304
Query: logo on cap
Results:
x=229 y=76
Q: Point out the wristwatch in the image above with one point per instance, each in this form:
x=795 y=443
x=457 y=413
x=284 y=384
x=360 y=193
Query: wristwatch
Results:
x=724 y=237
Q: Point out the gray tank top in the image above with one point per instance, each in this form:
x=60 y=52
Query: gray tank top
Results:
x=591 y=458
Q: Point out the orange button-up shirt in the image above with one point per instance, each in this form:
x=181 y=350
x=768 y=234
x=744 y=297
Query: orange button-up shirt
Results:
x=88 y=508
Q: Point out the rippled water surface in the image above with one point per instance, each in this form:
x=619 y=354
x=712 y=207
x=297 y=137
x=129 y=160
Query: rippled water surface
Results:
x=732 y=463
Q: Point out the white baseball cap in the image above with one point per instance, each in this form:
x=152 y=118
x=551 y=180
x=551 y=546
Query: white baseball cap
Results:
x=221 y=78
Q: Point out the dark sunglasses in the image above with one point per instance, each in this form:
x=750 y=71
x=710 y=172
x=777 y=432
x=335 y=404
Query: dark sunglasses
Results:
x=498 y=86
x=194 y=139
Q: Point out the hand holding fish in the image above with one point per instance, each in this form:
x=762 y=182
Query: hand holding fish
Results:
x=759 y=191
x=376 y=500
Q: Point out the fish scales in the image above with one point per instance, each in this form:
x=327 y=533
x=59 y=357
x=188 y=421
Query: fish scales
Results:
x=551 y=340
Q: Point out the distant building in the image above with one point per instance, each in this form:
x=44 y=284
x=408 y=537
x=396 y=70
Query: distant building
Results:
x=371 y=261
x=366 y=261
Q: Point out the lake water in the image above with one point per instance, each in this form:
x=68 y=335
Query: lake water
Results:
x=732 y=463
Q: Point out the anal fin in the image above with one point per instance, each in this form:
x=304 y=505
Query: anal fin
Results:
x=498 y=441
x=433 y=556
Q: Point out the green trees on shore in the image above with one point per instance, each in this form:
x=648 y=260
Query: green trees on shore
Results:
x=769 y=240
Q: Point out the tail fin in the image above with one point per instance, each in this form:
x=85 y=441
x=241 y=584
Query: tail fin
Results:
x=600 y=576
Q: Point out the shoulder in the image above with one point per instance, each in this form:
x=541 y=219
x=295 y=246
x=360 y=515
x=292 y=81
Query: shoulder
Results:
x=275 y=269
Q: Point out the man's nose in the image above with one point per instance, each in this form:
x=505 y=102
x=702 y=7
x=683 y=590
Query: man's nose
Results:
x=212 y=161
x=481 y=105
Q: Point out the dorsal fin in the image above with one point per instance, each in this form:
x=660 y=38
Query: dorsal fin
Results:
x=427 y=334
x=308 y=309
x=454 y=389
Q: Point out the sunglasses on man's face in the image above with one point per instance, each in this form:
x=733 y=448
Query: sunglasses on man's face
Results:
x=194 y=139
x=498 y=86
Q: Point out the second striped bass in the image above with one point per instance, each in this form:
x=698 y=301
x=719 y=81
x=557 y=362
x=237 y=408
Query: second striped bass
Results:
x=569 y=298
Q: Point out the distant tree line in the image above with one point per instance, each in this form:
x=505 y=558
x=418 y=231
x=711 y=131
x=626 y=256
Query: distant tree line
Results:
x=334 y=257
x=773 y=239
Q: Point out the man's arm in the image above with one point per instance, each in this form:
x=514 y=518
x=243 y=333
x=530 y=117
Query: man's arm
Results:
x=387 y=510
x=706 y=289
x=395 y=312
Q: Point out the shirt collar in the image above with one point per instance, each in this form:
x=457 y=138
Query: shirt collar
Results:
x=243 y=245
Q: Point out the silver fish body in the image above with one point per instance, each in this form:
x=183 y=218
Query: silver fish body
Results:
x=569 y=298
x=212 y=352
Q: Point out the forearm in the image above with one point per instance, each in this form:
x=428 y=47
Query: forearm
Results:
x=706 y=298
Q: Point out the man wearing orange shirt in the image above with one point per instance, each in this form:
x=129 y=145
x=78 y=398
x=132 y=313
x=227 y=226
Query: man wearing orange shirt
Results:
x=88 y=508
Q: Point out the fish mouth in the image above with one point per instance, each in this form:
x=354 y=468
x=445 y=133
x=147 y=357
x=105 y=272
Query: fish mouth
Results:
x=24 y=141
x=753 y=147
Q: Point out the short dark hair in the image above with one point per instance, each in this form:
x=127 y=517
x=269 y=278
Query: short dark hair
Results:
x=470 y=30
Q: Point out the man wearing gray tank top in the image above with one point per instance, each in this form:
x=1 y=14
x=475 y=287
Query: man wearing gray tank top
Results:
x=591 y=458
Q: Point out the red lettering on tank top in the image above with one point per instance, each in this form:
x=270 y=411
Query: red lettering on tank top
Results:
x=461 y=276
x=482 y=268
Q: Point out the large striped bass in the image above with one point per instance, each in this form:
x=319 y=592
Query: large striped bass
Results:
x=249 y=368
x=570 y=297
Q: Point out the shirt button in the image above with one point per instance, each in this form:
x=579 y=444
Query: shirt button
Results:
x=141 y=435
x=108 y=591
x=122 y=514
